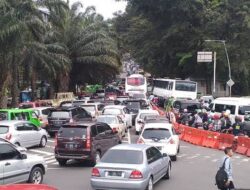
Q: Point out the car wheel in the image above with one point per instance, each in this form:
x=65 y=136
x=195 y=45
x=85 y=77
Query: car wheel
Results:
x=173 y=158
x=62 y=162
x=150 y=184
x=36 y=176
x=168 y=173
x=43 y=141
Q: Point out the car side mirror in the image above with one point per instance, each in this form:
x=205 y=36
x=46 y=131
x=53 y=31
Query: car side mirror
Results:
x=164 y=155
x=23 y=156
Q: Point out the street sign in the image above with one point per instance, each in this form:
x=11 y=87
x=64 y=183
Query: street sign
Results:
x=230 y=82
x=204 y=56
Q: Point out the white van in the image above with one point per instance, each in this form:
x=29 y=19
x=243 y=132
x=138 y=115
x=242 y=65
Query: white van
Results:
x=237 y=106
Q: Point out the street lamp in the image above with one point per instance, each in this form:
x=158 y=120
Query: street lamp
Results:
x=229 y=67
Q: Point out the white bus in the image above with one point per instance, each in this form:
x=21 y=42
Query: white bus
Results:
x=166 y=88
x=136 y=83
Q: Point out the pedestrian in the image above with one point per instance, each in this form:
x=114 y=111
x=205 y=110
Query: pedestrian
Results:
x=226 y=161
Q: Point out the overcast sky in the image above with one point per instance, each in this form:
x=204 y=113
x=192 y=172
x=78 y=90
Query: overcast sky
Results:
x=104 y=7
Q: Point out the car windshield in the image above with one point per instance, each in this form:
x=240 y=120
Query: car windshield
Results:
x=75 y=132
x=243 y=110
x=133 y=105
x=112 y=111
x=156 y=133
x=4 y=129
x=185 y=86
x=123 y=157
x=108 y=120
x=89 y=108
x=143 y=115
x=60 y=114
x=3 y=116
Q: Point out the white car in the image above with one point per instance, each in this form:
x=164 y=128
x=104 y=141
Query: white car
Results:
x=140 y=118
x=119 y=110
x=162 y=136
x=115 y=122
x=42 y=113
x=95 y=109
x=23 y=133
x=17 y=167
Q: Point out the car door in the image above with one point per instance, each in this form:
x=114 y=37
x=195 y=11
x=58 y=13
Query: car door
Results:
x=1 y=170
x=22 y=135
x=15 y=169
x=154 y=161
x=160 y=164
x=102 y=138
x=32 y=134
x=113 y=138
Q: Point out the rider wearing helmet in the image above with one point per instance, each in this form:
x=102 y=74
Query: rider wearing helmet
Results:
x=237 y=126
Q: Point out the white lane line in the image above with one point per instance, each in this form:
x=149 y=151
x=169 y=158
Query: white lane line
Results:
x=183 y=146
x=215 y=160
x=129 y=138
x=192 y=157
x=50 y=146
x=51 y=140
x=245 y=160
x=181 y=155
x=50 y=157
x=42 y=152
x=207 y=156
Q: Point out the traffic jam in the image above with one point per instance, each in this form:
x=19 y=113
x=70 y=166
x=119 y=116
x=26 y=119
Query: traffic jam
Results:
x=96 y=129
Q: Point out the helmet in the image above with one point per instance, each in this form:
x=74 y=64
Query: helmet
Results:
x=185 y=110
x=238 y=118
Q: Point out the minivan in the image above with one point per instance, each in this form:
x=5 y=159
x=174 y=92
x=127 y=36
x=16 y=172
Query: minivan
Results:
x=84 y=141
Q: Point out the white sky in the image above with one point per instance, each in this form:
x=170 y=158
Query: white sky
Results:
x=104 y=7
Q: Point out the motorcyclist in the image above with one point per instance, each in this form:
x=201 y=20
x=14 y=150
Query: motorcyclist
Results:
x=237 y=126
x=226 y=122
x=184 y=118
x=246 y=125
x=197 y=119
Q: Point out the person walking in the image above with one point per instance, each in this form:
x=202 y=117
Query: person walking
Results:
x=226 y=161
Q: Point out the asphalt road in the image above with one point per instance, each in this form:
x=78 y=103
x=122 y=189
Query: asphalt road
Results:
x=194 y=170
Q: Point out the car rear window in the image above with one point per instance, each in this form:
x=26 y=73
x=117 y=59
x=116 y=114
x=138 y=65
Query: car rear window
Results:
x=69 y=131
x=4 y=129
x=112 y=111
x=143 y=115
x=158 y=133
x=60 y=114
x=108 y=120
x=123 y=157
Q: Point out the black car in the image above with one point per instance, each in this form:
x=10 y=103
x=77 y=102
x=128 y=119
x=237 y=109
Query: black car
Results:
x=59 y=116
x=84 y=141
x=134 y=106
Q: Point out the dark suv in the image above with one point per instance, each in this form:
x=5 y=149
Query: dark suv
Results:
x=84 y=141
x=59 y=116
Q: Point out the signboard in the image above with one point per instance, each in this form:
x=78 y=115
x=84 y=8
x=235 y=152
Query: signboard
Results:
x=230 y=82
x=204 y=56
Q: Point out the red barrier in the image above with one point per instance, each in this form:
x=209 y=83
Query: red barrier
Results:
x=160 y=111
x=188 y=134
x=199 y=136
x=226 y=140
x=248 y=147
x=182 y=131
x=242 y=143
x=211 y=139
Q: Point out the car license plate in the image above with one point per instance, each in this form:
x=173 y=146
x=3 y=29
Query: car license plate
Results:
x=115 y=174
x=70 y=146
x=58 y=122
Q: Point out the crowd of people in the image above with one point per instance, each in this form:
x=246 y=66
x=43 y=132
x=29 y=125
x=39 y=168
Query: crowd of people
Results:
x=224 y=122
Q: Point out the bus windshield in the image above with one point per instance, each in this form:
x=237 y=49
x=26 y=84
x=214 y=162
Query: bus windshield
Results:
x=185 y=86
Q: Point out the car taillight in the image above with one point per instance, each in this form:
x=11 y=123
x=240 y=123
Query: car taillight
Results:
x=95 y=172
x=88 y=140
x=140 y=141
x=136 y=175
x=172 y=141
x=8 y=136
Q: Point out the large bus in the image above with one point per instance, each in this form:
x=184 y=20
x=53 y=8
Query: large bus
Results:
x=136 y=83
x=165 y=88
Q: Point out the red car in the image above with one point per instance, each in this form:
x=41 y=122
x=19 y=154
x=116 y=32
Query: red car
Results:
x=27 y=187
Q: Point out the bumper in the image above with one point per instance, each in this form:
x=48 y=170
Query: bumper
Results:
x=84 y=156
x=171 y=150
x=118 y=184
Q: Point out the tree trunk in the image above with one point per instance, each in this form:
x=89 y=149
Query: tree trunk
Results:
x=33 y=85
x=14 y=86
x=63 y=82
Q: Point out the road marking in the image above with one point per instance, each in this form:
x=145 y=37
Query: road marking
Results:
x=207 y=156
x=129 y=138
x=50 y=157
x=181 y=155
x=42 y=152
x=245 y=160
x=51 y=140
x=183 y=146
x=215 y=160
x=55 y=168
x=191 y=157
x=51 y=161
x=50 y=146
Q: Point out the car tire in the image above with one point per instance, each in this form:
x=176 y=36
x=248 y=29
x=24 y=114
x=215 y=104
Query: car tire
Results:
x=36 y=176
x=173 y=158
x=150 y=184
x=43 y=141
x=168 y=173
x=62 y=162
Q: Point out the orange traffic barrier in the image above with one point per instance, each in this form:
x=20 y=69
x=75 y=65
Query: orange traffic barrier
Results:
x=189 y=133
x=199 y=136
x=248 y=147
x=242 y=143
x=226 y=140
x=182 y=131
x=211 y=139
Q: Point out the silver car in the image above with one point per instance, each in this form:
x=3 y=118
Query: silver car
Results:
x=17 y=167
x=23 y=133
x=130 y=166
